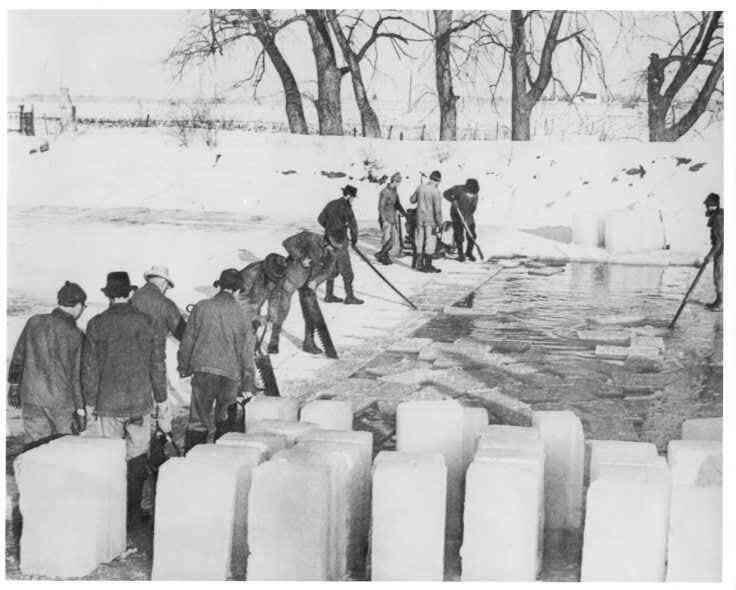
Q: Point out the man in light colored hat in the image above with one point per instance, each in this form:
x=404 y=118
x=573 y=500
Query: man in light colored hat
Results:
x=44 y=376
x=429 y=222
x=389 y=209
x=167 y=320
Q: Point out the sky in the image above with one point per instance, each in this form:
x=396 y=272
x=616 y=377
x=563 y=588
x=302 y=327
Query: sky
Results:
x=117 y=53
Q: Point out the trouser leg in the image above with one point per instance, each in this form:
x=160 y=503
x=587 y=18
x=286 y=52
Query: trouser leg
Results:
x=200 y=408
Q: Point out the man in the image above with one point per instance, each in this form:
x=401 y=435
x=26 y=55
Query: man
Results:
x=464 y=199
x=428 y=222
x=167 y=319
x=217 y=349
x=45 y=369
x=714 y=213
x=123 y=372
x=316 y=259
x=336 y=217
x=389 y=209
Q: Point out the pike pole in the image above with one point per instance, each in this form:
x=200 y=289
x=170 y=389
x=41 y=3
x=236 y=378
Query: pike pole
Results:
x=385 y=280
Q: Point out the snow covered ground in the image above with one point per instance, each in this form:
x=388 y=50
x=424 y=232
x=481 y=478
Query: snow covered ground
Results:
x=104 y=200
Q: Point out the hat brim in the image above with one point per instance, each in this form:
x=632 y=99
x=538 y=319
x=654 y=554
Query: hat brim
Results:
x=148 y=275
x=120 y=293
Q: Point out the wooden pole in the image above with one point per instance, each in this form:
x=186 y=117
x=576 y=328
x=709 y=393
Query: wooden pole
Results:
x=690 y=290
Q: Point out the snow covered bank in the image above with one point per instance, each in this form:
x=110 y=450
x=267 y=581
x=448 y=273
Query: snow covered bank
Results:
x=630 y=196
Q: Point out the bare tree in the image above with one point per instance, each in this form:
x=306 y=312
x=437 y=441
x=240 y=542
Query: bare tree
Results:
x=553 y=30
x=442 y=32
x=345 y=36
x=223 y=28
x=698 y=44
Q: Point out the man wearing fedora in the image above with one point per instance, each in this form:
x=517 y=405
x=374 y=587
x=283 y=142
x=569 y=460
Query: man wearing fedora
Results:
x=123 y=373
x=217 y=351
x=336 y=218
x=167 y=319
x=45 y=369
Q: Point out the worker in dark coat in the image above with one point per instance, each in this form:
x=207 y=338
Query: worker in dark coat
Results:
x=335 y=218
x=167 y=319
x=714 y=213
x=45 y=369
x=389 y=209
x=123 y=373
x=217 y=349
x=317 y=258
x=464 y=199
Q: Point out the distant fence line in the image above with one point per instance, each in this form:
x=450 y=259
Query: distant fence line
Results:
x=27 y=122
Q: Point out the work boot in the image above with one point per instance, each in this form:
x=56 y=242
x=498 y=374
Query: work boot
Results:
x=309 y=345
x=273 y=341
x=136 y=475
x=469 y=252
x=222 y=427
x=350 y=298
x=716 y=305
x=194 y=437
x=414 y=261
x=429 y=267
x=330 y=292
x=460 y=253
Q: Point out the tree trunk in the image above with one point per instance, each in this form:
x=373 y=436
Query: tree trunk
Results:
x=520 y=113
x=329 y=77
x=368 y=118
x=292 y=95
x=443 y=75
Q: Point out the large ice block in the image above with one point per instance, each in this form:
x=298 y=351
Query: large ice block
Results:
x=233 y=457
x=264 y=407
x=197 y=508
x=288 y=518
x=564 y=444
x=267 y=442
x=364 y=441
x=606 y=452
x=695 y=462
x=72 y=498
x=408 y=533
x=436 y=427
x=501 y=535
x=703 y=429
x=329 y=414
x=694 y=551
x=626 y=526
x=474 y=421
x=344 y=509
x=291 y=430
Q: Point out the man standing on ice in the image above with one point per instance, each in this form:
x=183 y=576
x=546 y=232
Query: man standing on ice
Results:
x=123 y=372
x=714 y=213
x=464 y=199
x=389 y=209
x=217 y=349
x=316 y=260
x=45 y=369
x=428 y=222
x=336 y=217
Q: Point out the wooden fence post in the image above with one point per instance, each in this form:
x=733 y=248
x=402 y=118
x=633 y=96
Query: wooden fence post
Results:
x=390 y=129
x=422 y=136
x=20 y=119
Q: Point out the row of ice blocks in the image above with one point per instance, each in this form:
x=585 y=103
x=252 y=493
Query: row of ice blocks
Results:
x=309 y=508
x=329 y=414
x=73 y=502
x=649 y=519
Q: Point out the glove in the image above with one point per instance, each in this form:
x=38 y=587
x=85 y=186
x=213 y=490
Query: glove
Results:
x=163 y=416
x=259 y=321
x=184 y=373
x=79 y=419
x=311 y=285
x=14 y=395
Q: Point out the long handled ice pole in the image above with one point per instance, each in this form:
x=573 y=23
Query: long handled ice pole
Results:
x=385 y=280
x=690 y=290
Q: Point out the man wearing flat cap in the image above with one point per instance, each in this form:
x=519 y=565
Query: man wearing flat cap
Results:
x=217 y=351
x=123 y=374
x=44 y=376
x=389 y=209
x=336 y=218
